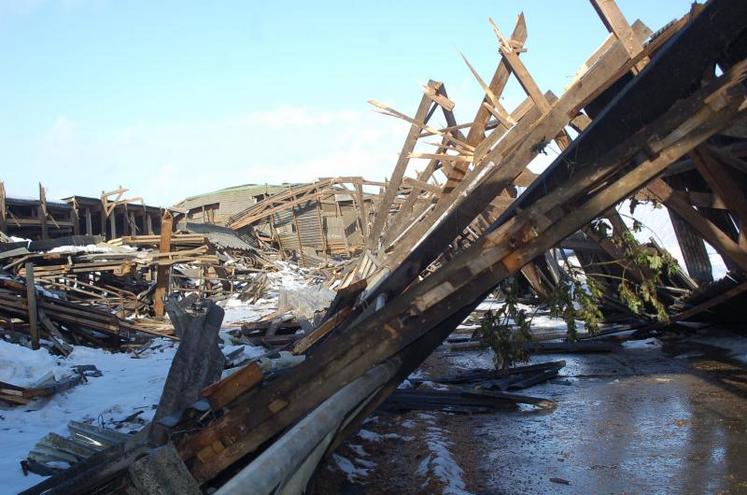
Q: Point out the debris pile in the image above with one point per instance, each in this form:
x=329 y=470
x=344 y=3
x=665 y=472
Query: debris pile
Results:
x=649 y=116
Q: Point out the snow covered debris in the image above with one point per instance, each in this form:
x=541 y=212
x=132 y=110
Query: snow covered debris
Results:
x=127 y=385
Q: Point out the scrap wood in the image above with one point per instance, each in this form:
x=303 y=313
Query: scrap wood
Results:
x=438 y=273
x=45 y=387
x=224 y=391
x=460 y=400
x=478 y=375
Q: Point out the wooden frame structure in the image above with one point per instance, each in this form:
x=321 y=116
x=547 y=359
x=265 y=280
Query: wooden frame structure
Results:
x=423 y=274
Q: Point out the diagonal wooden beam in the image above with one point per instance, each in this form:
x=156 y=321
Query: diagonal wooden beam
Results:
x=614 y=20
x=495 y=88
x=400 y=167
x=725 y=185
x=519 y=70
x=712 y=234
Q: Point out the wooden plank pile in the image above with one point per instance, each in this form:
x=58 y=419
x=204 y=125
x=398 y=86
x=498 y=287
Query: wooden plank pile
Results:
x=107 y=294
x=638 y=107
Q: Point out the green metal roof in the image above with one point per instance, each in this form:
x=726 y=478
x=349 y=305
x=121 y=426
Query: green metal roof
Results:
x=254 y=189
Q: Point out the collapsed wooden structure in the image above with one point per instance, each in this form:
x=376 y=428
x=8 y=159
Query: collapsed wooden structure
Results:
x=329 y=217
x=659 y=116
x=111 y=215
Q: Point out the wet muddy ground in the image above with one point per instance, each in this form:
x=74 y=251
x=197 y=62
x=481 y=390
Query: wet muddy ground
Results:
x=648 y=419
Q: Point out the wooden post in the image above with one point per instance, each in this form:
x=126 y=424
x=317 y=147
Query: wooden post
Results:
x=132 y=222
x=298 y=236
x=75 y=217
x=162 y=273
x=102 y=219
x=149 y=224
x=3 y=224
x=362 y=209
x=31 y=304
x=43 y=212
x=322 y=232
x=126 y=221
x=275 y=235
x=89 y=223
x=113 y=225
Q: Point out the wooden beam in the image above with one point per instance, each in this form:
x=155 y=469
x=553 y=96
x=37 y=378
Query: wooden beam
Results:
x=614 y=20
x=89 y=223
x=519 y=70
x=725 y=185
x=400 y=167
x=296 y=227
x=362 y=211
x=712 y=234
x=43 y=212
x=3 y=212
x=163 y=269
x=31 y=303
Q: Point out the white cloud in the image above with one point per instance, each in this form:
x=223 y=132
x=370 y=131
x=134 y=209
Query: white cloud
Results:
x=165 y=163
x=299 y=116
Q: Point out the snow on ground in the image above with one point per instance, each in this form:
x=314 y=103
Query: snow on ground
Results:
x=289 y=276
x=439 y=462
x=93 y=248
x=541 y=321
x=351 y=470
x=127 y=385
x=650 y=343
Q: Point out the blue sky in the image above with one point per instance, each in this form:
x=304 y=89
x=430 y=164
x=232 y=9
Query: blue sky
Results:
x=173 y=98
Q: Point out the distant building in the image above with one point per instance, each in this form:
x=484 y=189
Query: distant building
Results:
x=217 y=206
x=92 y=217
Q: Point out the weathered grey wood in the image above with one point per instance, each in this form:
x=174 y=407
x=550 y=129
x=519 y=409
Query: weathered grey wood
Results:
x=89 y=223
x=32 y=311
x=162 y=472
x=198 y=362
x=693 y=249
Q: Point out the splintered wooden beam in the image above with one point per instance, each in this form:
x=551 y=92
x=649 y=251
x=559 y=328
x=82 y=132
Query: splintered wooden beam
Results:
x=406 y=214
x=615 y=22
x=710 y=232
x=519 y=70
x=725 y=185
x=503 y=163
x=400 y=167
x=497 y=84
x=493 y=104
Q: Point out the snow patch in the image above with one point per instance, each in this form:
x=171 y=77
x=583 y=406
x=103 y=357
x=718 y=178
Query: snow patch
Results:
x=440 y=462
x=650 y=343
x=353 y=472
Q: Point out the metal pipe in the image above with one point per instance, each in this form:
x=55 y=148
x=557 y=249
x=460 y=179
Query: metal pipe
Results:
x=276 y=465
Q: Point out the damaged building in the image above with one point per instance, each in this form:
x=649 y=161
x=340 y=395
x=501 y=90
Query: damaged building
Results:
x=354 y=336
